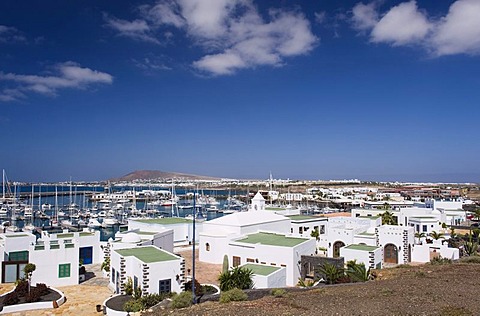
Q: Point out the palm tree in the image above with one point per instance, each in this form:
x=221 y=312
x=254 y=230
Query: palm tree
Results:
x=357 y=272
x=470 y=247
x=387 y=218
x=238 y=277
x=331 y=272
x=419 y=236
x=476 y=214
x=436 y=235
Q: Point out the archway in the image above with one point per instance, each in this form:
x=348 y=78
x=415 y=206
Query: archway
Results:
x=390 y=254
x=336 y=248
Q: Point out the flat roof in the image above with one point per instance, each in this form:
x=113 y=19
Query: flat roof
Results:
x=260 y=269
x=164 y=221
x=147 y=254
x=361 y=247
x=271 y=239
x=65 y=235
x=16 y=235
x=366 y=234
x=423 y=217
x=303 y=217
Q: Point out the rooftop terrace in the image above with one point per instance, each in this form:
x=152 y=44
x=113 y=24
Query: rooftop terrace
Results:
x=272 y=240
x=303 y=217
x=261 y=269
x=147 y=254
x=361 y=247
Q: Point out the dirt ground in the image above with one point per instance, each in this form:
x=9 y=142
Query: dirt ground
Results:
x=205 y=273
x=445 y=290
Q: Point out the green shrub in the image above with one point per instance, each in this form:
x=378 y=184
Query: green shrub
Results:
x=439 y=261
x=238 y=277
x=182 y=300
x=133 y=306
x=129 y=286
x=278 y=292
x=471 y=259
x=233 y=295
x=153 y=299
x=137 y=293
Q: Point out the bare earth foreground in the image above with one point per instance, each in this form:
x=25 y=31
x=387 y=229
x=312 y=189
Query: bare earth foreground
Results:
x=421 y=290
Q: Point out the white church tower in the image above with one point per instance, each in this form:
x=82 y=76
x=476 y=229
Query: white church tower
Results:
x=258 y=203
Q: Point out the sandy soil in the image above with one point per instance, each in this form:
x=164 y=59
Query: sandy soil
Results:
x=421 y=290
x=205 y=273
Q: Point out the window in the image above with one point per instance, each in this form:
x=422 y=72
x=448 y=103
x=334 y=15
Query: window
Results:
x=113 y=275
x=236 y=261
x=424 y=228
x=135 y=282
x=300 y=230
x=250 y=260
x=18 y=256
x=165 y=286
x=207 y=246
x=64 y=270
x=322 y=229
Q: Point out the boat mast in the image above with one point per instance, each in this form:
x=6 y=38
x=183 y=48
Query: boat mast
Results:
x=3 y=184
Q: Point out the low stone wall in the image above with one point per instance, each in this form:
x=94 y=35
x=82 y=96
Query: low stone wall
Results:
x=33 y=306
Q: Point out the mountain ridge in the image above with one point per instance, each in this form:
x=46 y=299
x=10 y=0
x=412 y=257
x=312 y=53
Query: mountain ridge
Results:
x=160 y=175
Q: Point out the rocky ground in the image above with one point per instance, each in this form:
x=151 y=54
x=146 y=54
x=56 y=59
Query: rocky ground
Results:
x=444 y=290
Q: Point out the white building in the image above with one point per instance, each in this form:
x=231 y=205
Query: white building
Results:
x=271 y=249
x=161 y=239
x=303 y=225
x=267 y=277
x=14 y=252
x=152 y=269
x=57 y=257
x=217 y=233
x=182 y=227
x=424 y=252
x=370 y=256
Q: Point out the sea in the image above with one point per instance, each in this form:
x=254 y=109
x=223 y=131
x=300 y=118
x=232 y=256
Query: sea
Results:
x=79 y=195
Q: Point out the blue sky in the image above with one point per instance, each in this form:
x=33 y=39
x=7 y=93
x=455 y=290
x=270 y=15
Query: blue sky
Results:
x=380 y=90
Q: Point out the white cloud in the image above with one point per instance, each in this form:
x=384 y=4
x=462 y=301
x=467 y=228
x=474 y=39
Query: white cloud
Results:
x=10 y=34
x=232 y=33
x=167 y=12
x=365 y=16
x=402 y=25
x=137 y=29
x=68 y=75
x=458 y=32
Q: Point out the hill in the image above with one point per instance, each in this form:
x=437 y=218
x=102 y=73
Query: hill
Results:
x=160 y=175
x=450 y=289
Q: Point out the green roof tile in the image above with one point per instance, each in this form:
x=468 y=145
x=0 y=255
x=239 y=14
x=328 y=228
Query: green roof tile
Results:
x=147 y=254
x=272 y=240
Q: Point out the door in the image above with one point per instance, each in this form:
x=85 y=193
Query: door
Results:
x=86 y=255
